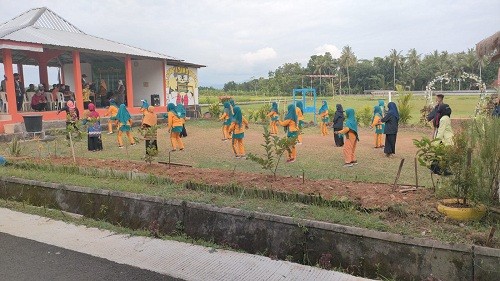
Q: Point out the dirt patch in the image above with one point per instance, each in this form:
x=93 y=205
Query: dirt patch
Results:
x=368 y=195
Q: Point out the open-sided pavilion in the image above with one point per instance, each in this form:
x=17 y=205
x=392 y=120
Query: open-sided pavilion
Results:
x=42 y=38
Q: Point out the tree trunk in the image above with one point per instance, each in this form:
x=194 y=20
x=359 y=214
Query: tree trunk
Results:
x=348 y=82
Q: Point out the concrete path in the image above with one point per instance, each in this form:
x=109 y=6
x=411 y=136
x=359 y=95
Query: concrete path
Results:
x=175 y=259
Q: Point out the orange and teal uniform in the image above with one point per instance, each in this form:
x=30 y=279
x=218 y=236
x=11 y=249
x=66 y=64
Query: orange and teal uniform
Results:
x=350 y=132
x=226 y=117
x=379 y=126
x=274 y=115
x=292 y=129
x=238 y=127
x=323 y=115
x=112 y=111
x=299 y=110
x=174 y=125
x=124 y=125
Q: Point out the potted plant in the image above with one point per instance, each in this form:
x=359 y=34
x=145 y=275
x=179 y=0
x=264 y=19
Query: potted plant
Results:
x=470 y=166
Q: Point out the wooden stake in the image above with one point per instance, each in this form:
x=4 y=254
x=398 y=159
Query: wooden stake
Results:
x=72 y=147
x=416 y=173
x=433 y=185
x=490 y=237
x=399 y=173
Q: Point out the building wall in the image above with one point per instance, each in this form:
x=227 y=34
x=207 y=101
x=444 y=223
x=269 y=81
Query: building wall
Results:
x=68 y=74
x=182 y=84
x=148 y=80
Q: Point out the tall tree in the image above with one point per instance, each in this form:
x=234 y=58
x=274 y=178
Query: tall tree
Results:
x=396 y=59
x=413 y=63
x=347 y=58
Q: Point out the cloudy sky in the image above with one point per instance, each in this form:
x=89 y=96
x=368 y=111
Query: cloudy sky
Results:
x=238 y=40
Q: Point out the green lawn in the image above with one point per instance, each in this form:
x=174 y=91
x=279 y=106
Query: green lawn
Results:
x=462 y=106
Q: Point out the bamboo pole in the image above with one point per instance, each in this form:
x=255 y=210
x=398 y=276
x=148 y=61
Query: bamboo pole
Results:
x=399 y=173
x=416 y=172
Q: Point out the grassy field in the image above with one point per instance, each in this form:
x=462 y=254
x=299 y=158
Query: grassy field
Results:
x=317 y=157
x=462 y=106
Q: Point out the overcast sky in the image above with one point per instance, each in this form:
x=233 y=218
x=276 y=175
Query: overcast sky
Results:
x=238 y=40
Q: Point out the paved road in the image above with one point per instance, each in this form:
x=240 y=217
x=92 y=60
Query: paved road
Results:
x=24 y=259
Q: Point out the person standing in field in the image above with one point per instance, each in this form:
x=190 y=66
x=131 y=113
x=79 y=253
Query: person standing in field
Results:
x=381 y=104
x=226 y=117
x=299 y=108
x=391 y=120
x=350 y=132
x=94 y=142
x=292 y=131
x=434 y=114
x=237 y=128
x=174 y=126
x=112 y=111
x=124 y=125
x=323 y=115
x=338 y=124
x=445 y=131
x=274 y=115
x=379 y=126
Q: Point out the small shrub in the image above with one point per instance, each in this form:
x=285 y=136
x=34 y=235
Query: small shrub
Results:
x=15 y=147
x=404 y=105
x=364 y=116
x=274 y=147
x=215 y=109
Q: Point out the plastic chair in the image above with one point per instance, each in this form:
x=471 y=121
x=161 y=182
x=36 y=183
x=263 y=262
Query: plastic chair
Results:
x=52 y=103
x=60 y=100
x=5 y=103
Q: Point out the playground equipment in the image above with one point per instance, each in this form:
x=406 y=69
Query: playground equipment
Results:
x=304 y=92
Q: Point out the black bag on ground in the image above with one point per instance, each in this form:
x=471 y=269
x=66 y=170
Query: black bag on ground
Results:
x=184 y=132
x=436 y=169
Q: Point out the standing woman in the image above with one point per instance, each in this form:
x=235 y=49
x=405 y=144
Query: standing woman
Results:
x=292 y=129
x=174 y=127
x=350 y=131
x=379 y=126
x=274 y=115
x=299 y=110
x=323 y=115
x=338 y=124
x=124 y=125
x=226 y=117
x=238 y=127
x=391 y=120
x=381 y=104
x=94 y=142
x=444 y=131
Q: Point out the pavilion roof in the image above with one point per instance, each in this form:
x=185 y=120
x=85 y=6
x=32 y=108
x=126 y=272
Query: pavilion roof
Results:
x=45 y=27
x=489 y=46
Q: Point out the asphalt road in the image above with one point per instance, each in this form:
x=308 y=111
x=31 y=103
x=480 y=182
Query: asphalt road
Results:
x=24 y=259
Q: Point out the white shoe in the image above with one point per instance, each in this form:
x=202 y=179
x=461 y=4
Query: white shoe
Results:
x=109 y=133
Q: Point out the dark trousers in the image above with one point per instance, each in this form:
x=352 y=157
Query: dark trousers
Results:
x=19 y=102
x=39 y=107
x=339 y=140
x=390 y=144
x=94 y=143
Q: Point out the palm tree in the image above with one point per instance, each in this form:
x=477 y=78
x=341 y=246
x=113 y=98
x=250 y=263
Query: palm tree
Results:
x=396 y=59
x=347 y=59
x=413 y=61
x=319 y=65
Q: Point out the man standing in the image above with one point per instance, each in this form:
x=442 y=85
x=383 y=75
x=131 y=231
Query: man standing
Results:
x=434 y=115
x=19 y=91
x=3 y=87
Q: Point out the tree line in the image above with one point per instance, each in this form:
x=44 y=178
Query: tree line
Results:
x=352 y=76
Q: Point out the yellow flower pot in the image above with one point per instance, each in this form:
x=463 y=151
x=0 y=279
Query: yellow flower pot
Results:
x=462 y=214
